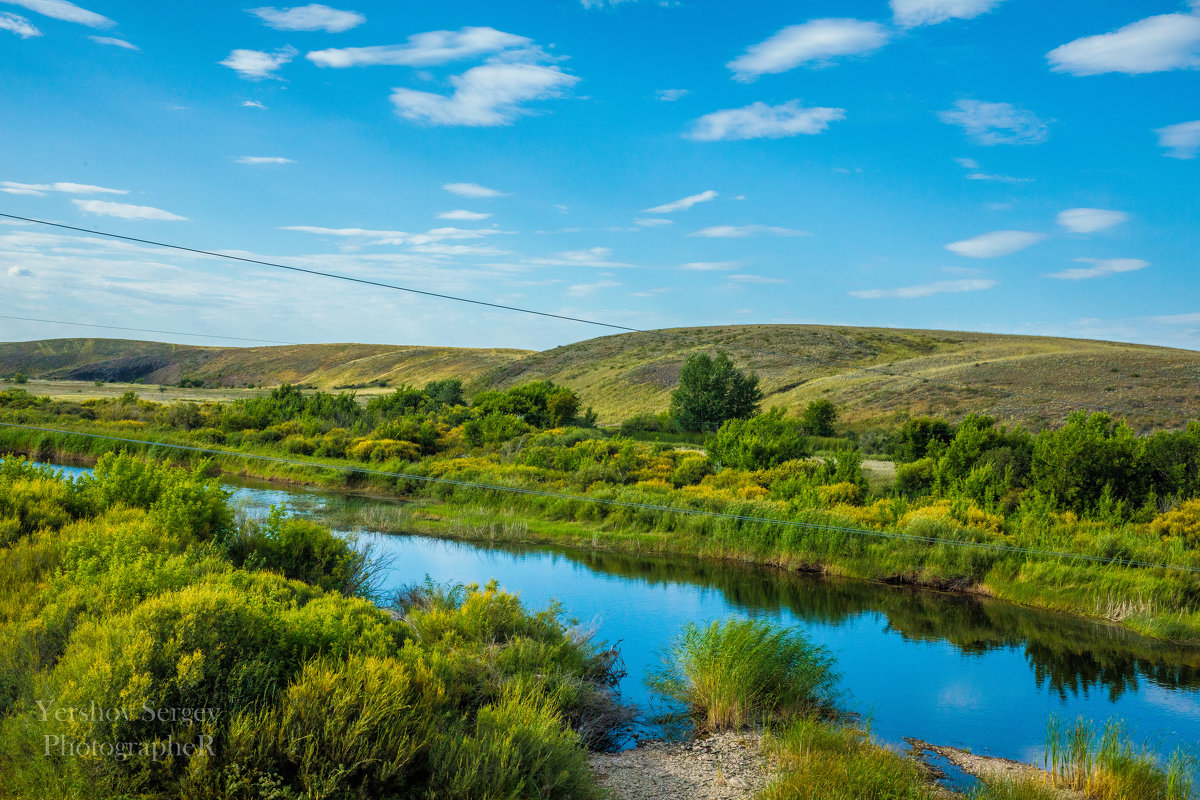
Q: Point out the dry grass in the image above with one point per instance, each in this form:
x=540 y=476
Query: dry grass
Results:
x=628 y=374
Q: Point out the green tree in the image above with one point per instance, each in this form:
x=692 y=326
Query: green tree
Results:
x=819 y=417
x=1090 y=457
x=447 y=392
x=711 y=391
x=761 y=442
x=19 y=377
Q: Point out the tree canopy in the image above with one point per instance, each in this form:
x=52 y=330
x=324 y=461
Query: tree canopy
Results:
x=711 y=391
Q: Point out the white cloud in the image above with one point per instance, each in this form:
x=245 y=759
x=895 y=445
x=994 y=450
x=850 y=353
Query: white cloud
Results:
x=742 y=231
x=472 y=190
x=265 y=160
x=761 y=121
x=125 y=210
x=815 y=42
x=67 y=12
x=967 y=163
x=996 y=123
x=984 y=176
x=111 y=42
x=712 y=266
x=652 y=222
x=745 y=278
x=683 y=204
x=1181 y=140
x=19 y=272
x=1090 y=220
x=15 y=23
x=927 y=289
x=424 y=49
x=40 y=189
x=463 y=214
x=312 y=17
x=1100 y=267
x=671 y=95
x=996 y=243
x=911 y=13
x=256 y=64
x=591 y=257
x=484 y=96
x=587 y=289
x=1154 y=44
x=253 y=104
x=378 y=237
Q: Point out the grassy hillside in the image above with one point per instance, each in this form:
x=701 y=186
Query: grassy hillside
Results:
x=956 y=373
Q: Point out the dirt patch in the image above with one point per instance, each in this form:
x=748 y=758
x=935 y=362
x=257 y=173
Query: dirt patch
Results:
x=725 y=766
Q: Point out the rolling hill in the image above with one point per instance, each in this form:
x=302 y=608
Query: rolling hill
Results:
x=874 y=375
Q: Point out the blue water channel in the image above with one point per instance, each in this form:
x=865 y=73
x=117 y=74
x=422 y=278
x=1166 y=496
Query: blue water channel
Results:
x=945 y=668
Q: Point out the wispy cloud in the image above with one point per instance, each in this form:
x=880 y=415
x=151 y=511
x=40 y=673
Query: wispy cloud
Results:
x=591 y=257
x=742 y=231
x=253 y=104
x=712 y=266
x=1155 y=44
x=1100 y=267
x=1181 y=140
x=424 y=49
x=682 y=204
x=588 y=289
x=967 y=163
x=485 y=96
x=15 y=23
x=1090 y=220
x=818 y=41
x=41 y=189
x=911 y=13
x=762 y=279
x=257 y=160
x=463 y=214
x=927 y=289
x=125 y=211
x=472 y=190
x=986 y=176
x=112 y=42
x=996 y=243
x=19 y=272
x=256 y=64
x=312 y=17
x=368 y=236
x=671 y=95
x=652 y=222
x=996 y=123
x=67 y=12
x=761 y=121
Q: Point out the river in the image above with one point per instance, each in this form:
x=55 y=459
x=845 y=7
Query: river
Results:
x=950 y=669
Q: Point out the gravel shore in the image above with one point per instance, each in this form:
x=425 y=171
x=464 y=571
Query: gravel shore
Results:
x=725 y=766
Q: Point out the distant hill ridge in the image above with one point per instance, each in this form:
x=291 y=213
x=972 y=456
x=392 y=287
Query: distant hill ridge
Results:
x=954 y=373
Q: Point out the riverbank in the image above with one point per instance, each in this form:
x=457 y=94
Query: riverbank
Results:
x=1151 y=601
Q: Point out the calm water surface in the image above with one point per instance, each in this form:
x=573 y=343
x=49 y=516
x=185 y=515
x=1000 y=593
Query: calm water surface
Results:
x=945 y=668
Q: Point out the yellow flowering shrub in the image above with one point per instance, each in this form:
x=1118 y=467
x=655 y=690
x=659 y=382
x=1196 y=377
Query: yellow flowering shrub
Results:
x=1180 y=523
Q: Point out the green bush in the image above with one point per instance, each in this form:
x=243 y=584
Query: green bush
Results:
x=743 y=672
x=761 y=442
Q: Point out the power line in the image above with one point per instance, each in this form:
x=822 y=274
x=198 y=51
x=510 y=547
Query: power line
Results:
x=318 y=273
x=989 y=546
x=1041 y=399
x=145 y=330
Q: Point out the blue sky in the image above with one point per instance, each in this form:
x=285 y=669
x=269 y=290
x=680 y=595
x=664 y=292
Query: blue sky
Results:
x=998 y=165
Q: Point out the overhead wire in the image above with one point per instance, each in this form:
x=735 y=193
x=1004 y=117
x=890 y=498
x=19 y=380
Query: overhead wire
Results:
x=147 y=330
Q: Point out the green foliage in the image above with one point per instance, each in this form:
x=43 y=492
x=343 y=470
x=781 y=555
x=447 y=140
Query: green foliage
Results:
x=818 y=418
x=760 y=442
x=540 y=404
x=447 y=392
x=1105 y=764
x=735 y=673
x=920 y=437
x=711 y=391
x=302 y=550
x=1089 y=458
x=20 y=378
x=691 y=470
